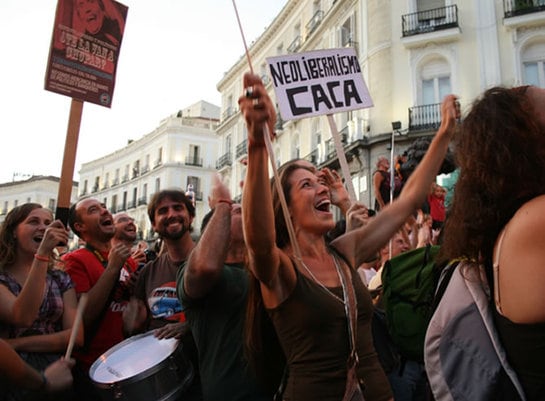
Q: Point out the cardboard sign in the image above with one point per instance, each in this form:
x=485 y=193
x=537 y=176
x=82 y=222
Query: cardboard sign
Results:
x=318 y=82
x=85 y=48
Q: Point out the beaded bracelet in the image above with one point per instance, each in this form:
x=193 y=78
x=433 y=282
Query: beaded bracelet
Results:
x=41 y=258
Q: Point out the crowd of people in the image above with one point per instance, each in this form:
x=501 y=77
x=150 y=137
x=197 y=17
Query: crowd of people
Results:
x=277 y=299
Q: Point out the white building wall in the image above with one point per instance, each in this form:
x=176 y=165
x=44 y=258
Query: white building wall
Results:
x=480 y=44
x=36 y=189
x=162 y=159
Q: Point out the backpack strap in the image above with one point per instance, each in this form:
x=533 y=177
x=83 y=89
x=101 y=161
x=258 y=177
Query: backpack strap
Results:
x=496 y=273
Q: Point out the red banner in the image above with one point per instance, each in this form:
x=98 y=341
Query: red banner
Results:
x=85 y=48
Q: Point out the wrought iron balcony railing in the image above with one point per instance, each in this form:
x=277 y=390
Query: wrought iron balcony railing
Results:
x=430 y=20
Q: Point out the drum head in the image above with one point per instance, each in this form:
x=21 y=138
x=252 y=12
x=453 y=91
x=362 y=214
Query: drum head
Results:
x=131 y=357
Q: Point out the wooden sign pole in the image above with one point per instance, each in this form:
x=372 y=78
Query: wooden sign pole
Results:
x=342 y=158
x=69 y=160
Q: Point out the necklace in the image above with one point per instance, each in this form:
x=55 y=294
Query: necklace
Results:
x=327 y=290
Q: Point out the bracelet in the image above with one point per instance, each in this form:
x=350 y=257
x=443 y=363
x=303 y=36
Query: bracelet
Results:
x=228 y=201
x=41 y=258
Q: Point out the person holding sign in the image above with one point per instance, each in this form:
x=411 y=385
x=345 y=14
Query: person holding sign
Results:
x=37 y=301
x=301 y=282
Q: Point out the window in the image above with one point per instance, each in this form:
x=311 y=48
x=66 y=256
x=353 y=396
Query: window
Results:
x=159 y=156
x=263 y=72
x=434 y=81
x=194 y=154
x=228 y=143
x=157 y=184
x=423 y=5
x=347 y=32
x=51 y=204
x=114 y=204
x=194 y=185
x=124 y=204
x=15 y=203
x=136 y=169
x=533 y=64
x=295 y=147
x=134 y=193
x=145 y=191
x=28 y=200
x=84 y=187
x=97 y=183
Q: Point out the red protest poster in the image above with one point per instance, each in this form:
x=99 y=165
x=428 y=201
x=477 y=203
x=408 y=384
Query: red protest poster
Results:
x=85 y=48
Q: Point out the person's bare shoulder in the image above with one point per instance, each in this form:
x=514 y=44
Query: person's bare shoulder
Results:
x=522 y=264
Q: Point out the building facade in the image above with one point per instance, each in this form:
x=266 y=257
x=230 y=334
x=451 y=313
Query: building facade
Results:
x=37 y=189
x=180 y=153
x=412 y=53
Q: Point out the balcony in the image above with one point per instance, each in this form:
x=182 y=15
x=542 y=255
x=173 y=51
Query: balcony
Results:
x=157 y=163
x=145 y=169
x=193 y=161
x=242 y=149
x=125 y=178
x=143 y=200
x=198 y=195
x=225 y=160
x=228 y=112
x=426 y=117
x=315 y=21
x=312 y=157
x=131 y=204
x=115 y=182
x=427 y=21
x=513 y=8
x=295 y=45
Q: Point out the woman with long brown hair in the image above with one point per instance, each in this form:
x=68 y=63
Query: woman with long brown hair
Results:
x=497 y=221
x=37 y=301
x=303 y=293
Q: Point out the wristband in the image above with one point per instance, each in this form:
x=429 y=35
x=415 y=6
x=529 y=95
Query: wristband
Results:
x=228 y=201
x=41 y=258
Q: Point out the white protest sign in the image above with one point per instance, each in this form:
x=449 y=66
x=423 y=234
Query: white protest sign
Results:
x=318 y=82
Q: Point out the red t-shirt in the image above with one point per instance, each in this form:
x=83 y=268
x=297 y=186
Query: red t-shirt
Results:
x=437 y=208
x=85 y=268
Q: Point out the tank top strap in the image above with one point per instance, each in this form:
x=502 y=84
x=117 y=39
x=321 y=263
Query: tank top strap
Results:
x=496 y=272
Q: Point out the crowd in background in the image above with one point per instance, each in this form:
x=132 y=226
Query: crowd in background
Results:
x=279 y=298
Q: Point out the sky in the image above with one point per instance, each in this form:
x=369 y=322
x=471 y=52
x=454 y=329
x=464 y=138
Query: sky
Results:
x=173 y=54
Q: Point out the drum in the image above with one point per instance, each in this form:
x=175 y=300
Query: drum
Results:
x=142 y=368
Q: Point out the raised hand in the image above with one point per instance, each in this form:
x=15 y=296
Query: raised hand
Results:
x=257 y=108
x=118 y=256
x=55 y=234
x=218 y=191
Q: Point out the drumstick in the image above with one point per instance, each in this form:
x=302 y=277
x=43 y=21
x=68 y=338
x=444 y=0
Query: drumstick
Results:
x=75 y=326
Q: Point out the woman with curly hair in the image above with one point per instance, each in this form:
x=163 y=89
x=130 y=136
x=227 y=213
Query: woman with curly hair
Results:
x=497 y=219
x=37 y=302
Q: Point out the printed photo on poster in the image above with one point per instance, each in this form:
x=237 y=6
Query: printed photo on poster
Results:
x=85 y=47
